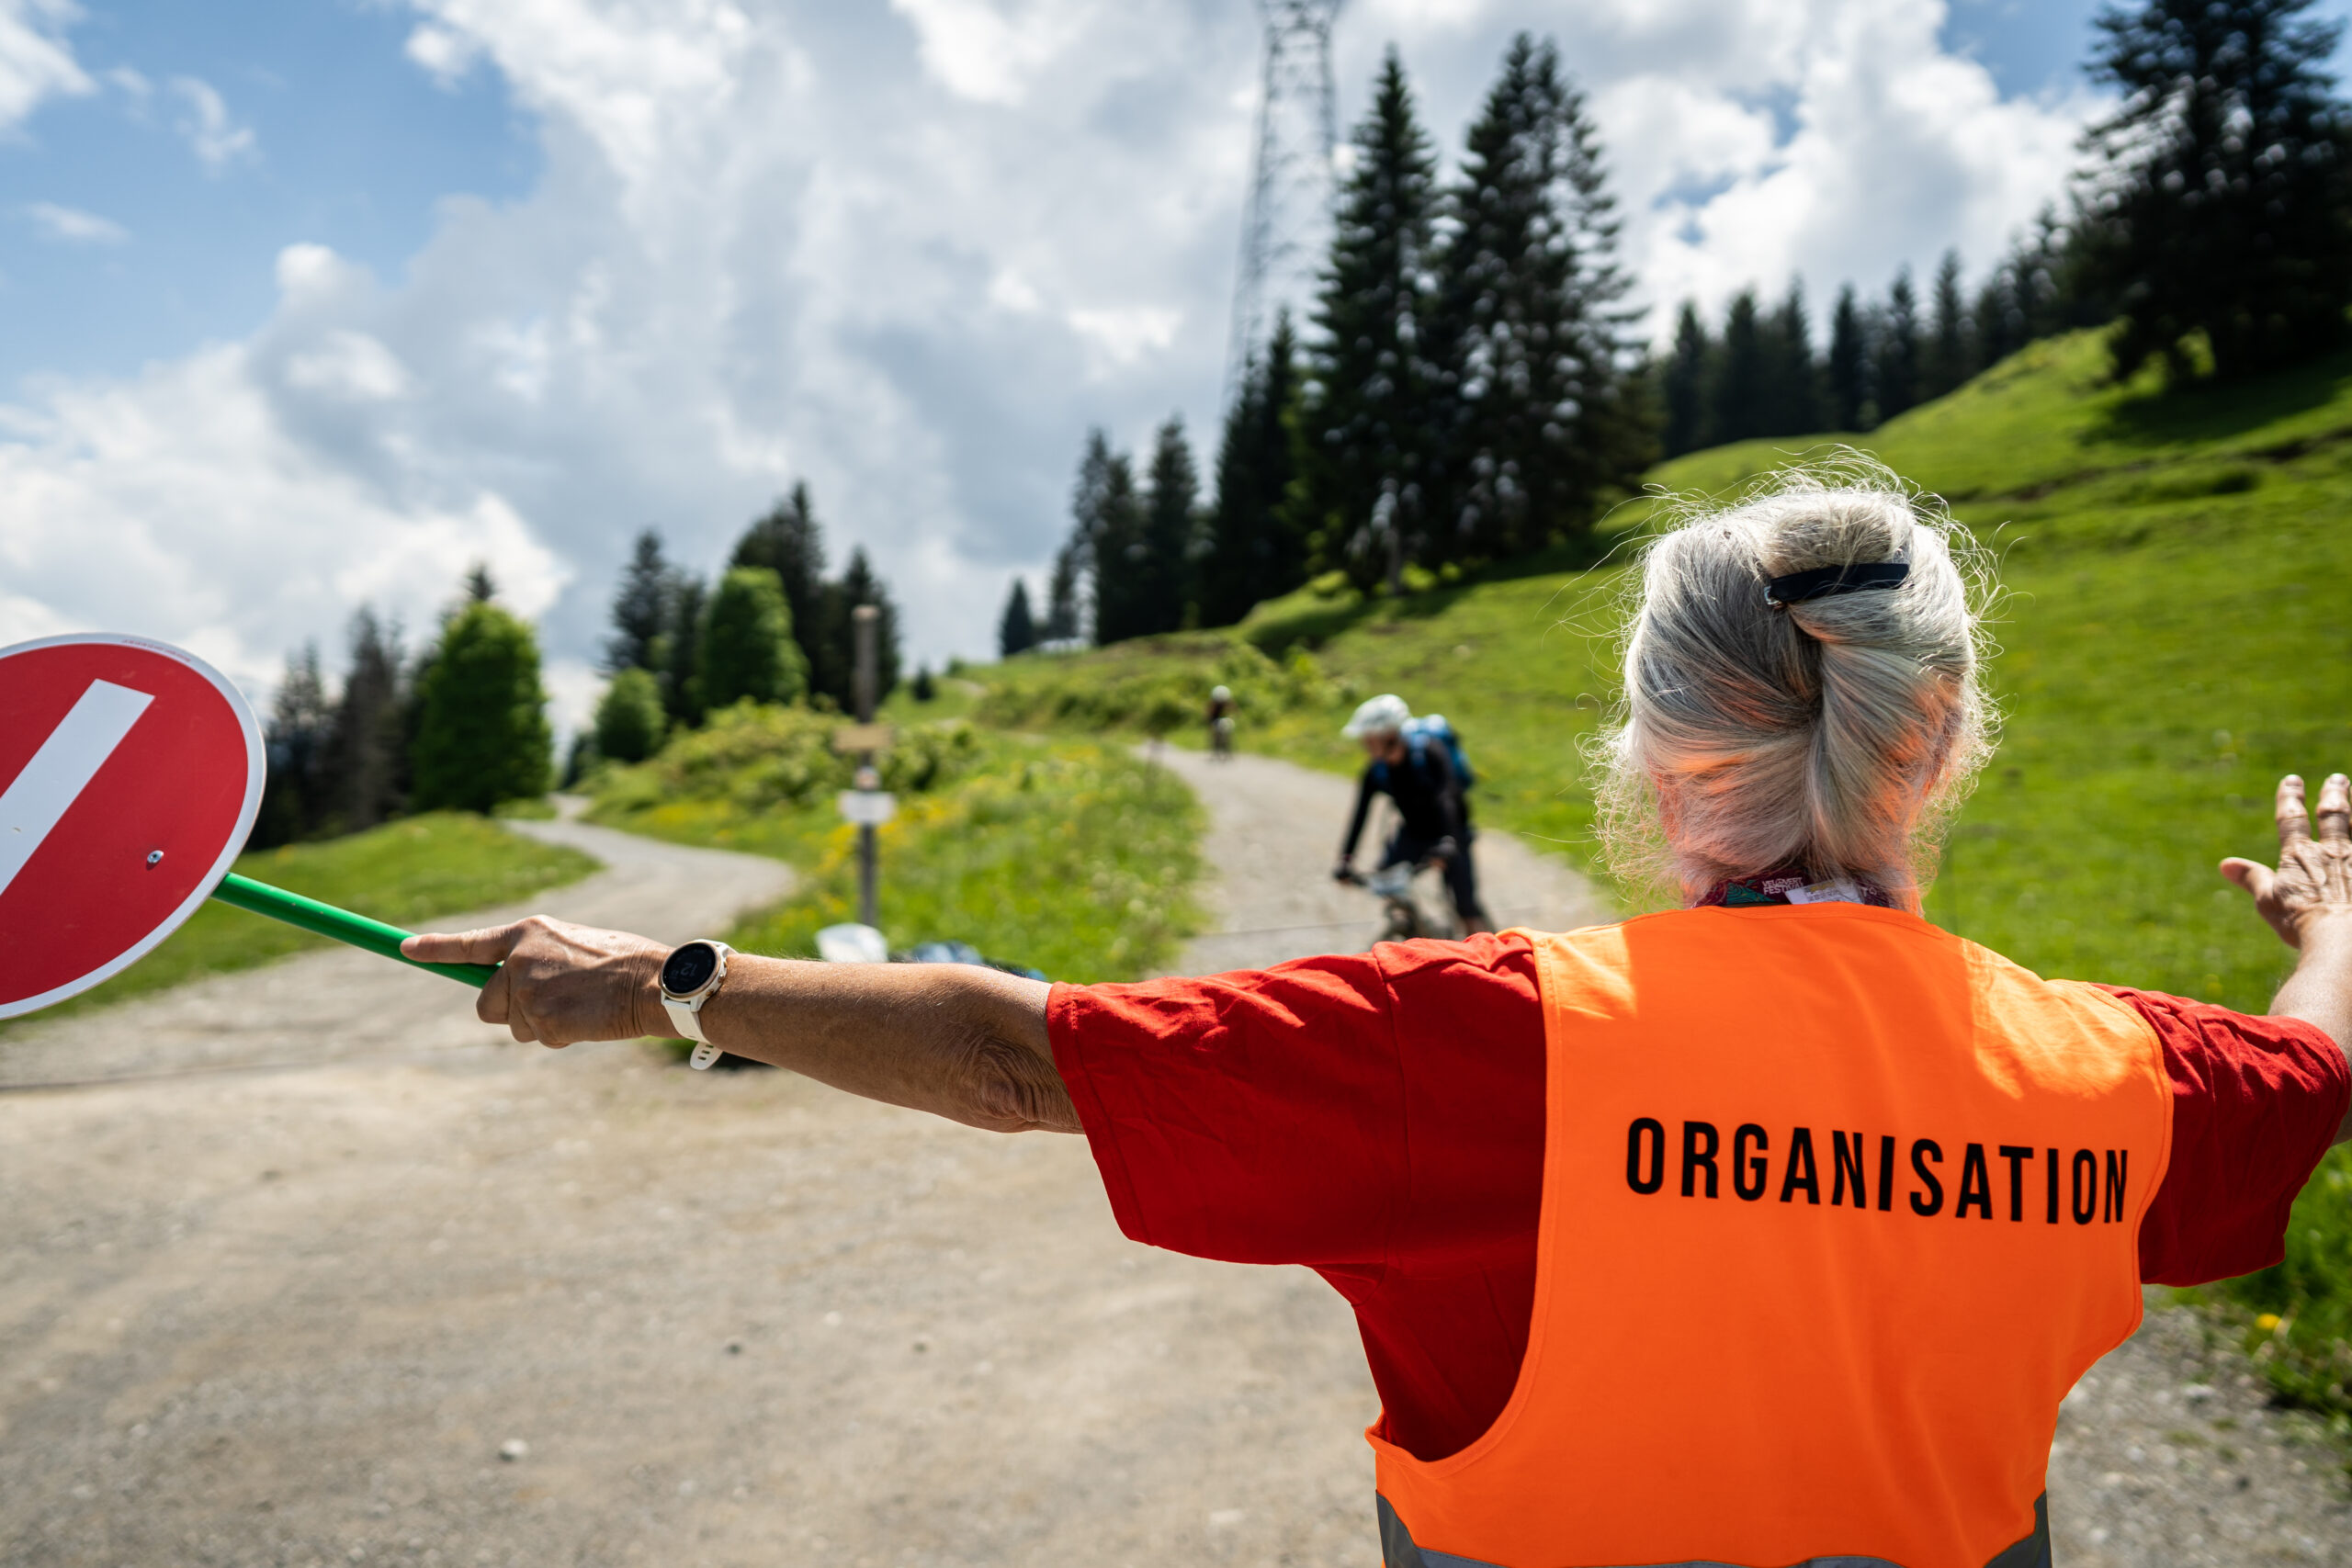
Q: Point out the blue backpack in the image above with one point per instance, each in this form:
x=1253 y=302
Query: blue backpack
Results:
x=1432 y=729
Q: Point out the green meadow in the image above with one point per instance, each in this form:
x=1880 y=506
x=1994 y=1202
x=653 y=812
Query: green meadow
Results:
x=2174 y=629
x=1068 y=856
x=407 y=872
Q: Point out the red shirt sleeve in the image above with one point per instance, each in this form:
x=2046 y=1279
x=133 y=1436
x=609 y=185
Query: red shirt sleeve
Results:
x=2255 y=1103
x=1376 y=1116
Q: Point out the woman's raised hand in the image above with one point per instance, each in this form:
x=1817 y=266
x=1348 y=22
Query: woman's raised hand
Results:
x=2313 y=881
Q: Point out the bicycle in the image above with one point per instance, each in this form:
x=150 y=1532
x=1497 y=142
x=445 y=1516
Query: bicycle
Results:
x=1406 y=911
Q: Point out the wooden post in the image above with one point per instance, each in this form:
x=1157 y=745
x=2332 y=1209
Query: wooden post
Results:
x=865 y=627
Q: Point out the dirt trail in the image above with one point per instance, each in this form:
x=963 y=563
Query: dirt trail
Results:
x=292 y=1314
x=1274 y=832
x=291 y=1305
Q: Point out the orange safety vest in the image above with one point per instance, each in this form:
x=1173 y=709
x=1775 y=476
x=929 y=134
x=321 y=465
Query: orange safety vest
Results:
x=1836 y=1207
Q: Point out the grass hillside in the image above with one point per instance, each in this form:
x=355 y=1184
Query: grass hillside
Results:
x=1068 y=856
x=2174 y=634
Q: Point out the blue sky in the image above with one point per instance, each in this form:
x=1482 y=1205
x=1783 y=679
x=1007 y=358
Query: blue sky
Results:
x=306 y=304
x=353 y=146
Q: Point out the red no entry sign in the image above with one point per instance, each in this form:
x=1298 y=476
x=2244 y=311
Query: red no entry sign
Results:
x=129 y=774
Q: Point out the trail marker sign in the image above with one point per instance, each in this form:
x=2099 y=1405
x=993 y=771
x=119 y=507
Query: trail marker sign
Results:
x=129 y=775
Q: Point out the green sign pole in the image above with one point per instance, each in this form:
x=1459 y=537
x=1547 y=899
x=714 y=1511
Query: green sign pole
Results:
x=325 y=919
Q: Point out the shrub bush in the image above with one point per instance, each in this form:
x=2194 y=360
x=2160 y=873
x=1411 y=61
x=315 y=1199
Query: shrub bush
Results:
x=482 y=734
x=629 y=720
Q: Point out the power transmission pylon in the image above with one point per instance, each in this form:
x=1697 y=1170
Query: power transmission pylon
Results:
x=1287 y=221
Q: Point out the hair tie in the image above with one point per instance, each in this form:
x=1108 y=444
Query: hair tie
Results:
x=1856 y=577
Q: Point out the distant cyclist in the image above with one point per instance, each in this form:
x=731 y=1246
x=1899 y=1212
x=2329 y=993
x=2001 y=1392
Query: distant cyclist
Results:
x=1415 y=768
x=1220 y=718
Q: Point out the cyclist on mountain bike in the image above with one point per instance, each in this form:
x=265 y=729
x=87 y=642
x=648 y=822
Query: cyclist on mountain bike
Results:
x=1220 y=720
x=1418 y=773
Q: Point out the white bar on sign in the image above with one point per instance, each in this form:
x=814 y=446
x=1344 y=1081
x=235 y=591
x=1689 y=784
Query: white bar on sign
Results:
x=867 y=808
x=37 y=798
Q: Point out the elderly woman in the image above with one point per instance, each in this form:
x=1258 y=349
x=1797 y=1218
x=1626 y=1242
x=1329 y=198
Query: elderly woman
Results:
x=1769 y=1229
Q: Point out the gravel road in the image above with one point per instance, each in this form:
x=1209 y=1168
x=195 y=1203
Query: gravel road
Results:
x=293 y=1288
x=1274 y=832
x=332 y=1274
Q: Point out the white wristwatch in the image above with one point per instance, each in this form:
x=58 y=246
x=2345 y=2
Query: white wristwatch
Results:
x=691 y=976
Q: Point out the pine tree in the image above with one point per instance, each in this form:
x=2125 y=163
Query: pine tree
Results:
x=1017 y=632
x=301 y=729
x=641 y=608
x=1109 y=536
x=1946 y=362
x=748 y=651
x=2226 y=206
x=2051 y=288
x=1737 y=397
x=629 y=720
x=859 y=584
x=1615 y=428
x=1254 y=550
x=681 y=650
x=1792 y=380
x=1897 y=378
x=481 y=729
x=1525 y=336
x=1171 y=525
x=1684 y=381
x=480 y=588
x=789 y=542
x=368 y=764
x=1847 y=369
x=1062 y=619
x=2037 y=289
x=1372 y=417
x=1997 y=325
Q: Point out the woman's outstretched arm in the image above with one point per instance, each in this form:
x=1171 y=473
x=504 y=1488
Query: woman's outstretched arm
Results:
x=2308 y=902
x=953 y=1039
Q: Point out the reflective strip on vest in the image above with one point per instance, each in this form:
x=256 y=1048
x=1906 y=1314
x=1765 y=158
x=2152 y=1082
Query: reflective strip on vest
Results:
x=1835 y=1208
x=1397 y=1550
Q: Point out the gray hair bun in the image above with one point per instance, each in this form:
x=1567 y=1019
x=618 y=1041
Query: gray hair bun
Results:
x=1834 y=732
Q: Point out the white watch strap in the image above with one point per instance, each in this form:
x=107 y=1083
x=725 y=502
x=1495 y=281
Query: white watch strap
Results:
x=687 y=1019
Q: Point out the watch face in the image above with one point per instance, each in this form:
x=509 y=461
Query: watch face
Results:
x=689 y=969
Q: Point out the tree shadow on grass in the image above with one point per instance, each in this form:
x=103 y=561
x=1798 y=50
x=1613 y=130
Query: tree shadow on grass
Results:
x=1312 y=625
x=2206 y=410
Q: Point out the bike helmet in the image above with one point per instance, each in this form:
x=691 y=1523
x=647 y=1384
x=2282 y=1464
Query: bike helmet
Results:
x=1220 y=694
x=1384 y=711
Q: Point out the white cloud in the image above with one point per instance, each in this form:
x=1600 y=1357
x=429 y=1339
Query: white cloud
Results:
x=979 y=53
x=181 y=505
x=349 y=366
x=1124 y=335
x=204 y=121
x=907 y=254
x=572 y=687
x=446 y=56
x=36 y=63
x=1898 y=152
x=74 y=226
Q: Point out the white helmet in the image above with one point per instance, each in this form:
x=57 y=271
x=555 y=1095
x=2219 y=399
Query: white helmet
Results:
x=1220 y=694
x=1386 y=712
